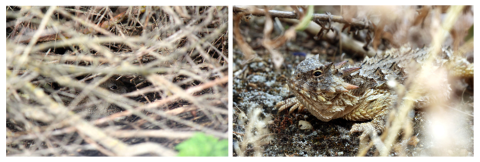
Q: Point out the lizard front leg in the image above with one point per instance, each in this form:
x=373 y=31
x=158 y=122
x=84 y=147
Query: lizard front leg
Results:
x=374 y=106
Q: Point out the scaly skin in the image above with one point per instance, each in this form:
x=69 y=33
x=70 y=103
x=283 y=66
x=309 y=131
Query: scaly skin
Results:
x=357 y=93
x=321 y=90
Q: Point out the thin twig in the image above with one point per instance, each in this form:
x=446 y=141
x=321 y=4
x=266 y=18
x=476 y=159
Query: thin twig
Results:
x=293 y=15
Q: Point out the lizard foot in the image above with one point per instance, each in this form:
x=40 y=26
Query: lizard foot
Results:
x=293 y=103
x=364 y=128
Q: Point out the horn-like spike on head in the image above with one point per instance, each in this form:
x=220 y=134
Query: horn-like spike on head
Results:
x=328 y=66
x=350 y=70
x=340 y=64
x=350 y=86
x=341 y=89
x=330 y=90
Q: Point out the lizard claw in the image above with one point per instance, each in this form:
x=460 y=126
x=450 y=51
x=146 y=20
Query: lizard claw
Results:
x=364 y=128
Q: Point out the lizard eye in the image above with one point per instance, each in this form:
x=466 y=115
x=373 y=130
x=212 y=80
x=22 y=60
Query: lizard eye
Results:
x=113 y=87
x=317 y=73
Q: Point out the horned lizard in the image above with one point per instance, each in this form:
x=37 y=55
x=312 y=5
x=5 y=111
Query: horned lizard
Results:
x=102 y=108
x=357 y=93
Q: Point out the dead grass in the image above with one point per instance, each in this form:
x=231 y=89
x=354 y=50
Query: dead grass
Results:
x=173 y=60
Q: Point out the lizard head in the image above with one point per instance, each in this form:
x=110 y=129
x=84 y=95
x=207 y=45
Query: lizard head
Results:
x=321 y=89
x=114 y=86
x=314 y=79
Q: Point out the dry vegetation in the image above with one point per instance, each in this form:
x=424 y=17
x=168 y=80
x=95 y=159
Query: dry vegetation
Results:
x=275 y=38
x=171 y=60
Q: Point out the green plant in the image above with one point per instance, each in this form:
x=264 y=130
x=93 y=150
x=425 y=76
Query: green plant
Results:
x=203 y=145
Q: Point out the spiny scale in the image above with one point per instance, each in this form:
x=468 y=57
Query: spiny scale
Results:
x=358 y=92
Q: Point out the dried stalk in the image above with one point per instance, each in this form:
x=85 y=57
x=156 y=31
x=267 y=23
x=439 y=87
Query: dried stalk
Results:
x=44 y=87
x=407 y=105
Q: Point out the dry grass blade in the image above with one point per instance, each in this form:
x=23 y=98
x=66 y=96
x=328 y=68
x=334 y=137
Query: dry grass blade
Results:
x=91 y=81
x=407 y=105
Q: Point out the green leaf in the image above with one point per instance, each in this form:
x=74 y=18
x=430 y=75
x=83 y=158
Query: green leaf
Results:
x=305 y=20
x=203 y=145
